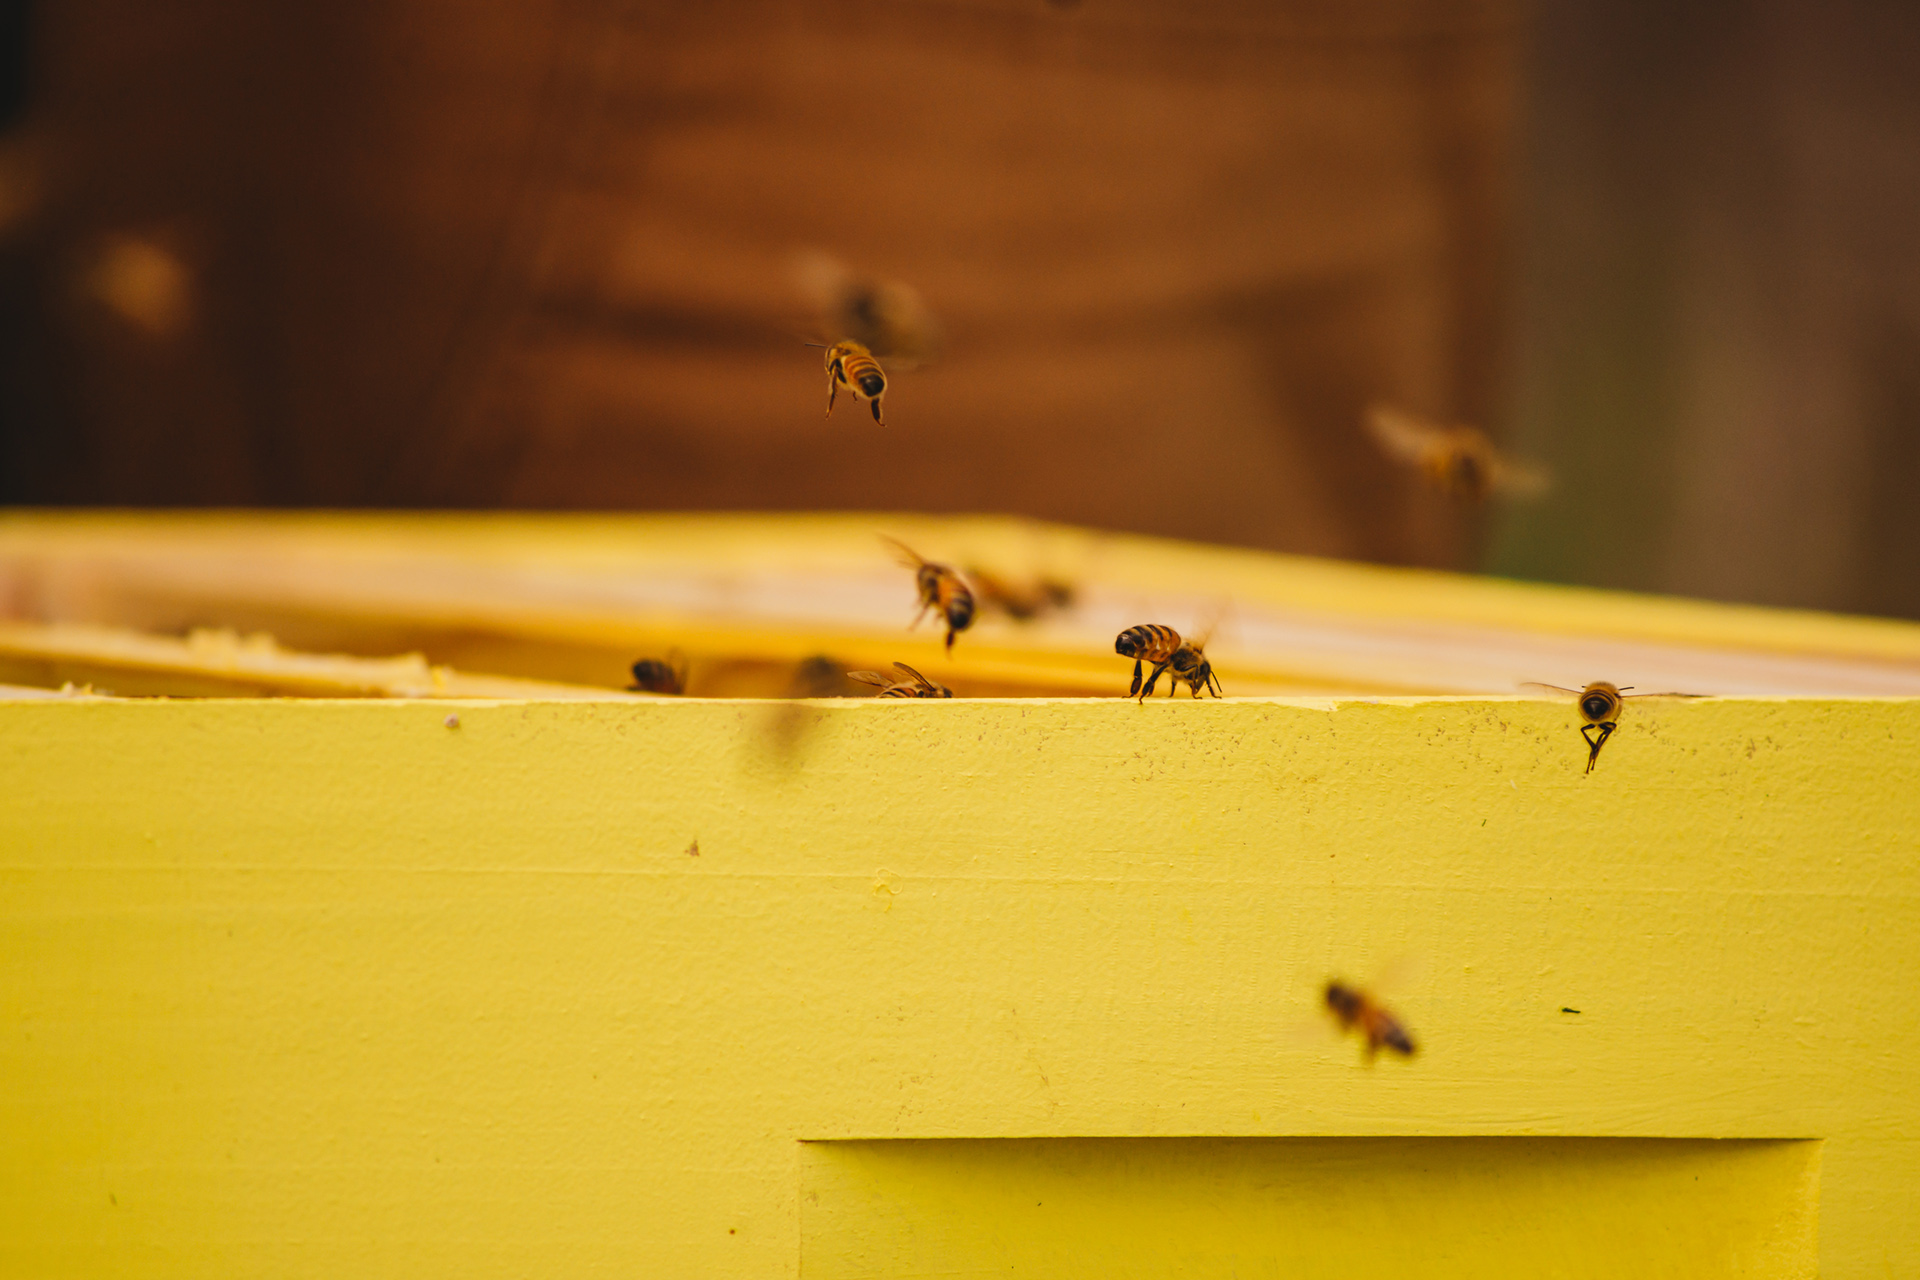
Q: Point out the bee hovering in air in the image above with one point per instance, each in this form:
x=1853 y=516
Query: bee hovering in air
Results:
x=1600 y=706
x=888 y=317
x=1023 y=602
x=660 y=675
x=940 y=588
x=852 y=366
x=1354 y=1009
x=907 y=684
x=1461 y=462
x=1163 y=647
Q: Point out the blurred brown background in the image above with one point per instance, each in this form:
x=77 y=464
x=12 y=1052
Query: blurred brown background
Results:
x=542 y=254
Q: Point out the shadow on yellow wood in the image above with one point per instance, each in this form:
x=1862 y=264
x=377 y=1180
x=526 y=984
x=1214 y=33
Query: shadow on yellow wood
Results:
x=1283 y=1208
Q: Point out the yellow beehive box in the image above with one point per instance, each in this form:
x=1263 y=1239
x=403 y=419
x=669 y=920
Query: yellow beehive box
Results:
x=384 y=985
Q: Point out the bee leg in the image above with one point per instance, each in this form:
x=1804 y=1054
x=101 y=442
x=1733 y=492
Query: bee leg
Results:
x=1594 y=744
x=1152 y=679
x=1135 y=686
x=875 y=405
x=918 y=616
x=950 y=634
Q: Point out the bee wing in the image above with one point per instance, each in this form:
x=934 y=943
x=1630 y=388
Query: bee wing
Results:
x=1666 y=695
x=1402 y=435
x=913 y=676
x=871 y=677
x=1210 y=623
x=1551 y=688
x=905 y=554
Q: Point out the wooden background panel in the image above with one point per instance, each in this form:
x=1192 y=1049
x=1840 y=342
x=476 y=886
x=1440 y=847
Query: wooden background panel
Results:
x=541 y=254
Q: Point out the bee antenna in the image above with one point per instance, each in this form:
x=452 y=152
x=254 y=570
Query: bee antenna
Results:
x=813 y=344
x=1625 y=687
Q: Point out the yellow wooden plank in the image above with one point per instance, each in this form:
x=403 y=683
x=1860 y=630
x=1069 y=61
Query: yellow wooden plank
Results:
x=326 y=988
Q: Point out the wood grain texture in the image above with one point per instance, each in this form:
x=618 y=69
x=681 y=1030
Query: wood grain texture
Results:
x=539 y=255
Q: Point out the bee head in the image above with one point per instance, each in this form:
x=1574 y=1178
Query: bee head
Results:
x=1343 y=1000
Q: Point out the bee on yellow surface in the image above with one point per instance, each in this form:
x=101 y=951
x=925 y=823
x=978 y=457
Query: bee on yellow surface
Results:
x=1600 y=706
x=1163 y=647
x=1354 y=1009
x=940 y=588
x=660 y=675
x=1459 y=461
x=1021 y=602
x=907 y=684
x=852 y=366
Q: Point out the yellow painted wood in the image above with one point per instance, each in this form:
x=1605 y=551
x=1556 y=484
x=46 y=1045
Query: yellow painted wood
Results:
x=328 y=988
x=1285 y=1207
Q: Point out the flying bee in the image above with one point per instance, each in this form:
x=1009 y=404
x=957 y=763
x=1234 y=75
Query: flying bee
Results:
x=1354 y=1009
x=660 y=675
x=940 y=588
x=852 y=366
x=886 y=316
x=908 y=684
x=1021 y=602
x=1600 y=706
x=1163 y=647
x=1460 y=461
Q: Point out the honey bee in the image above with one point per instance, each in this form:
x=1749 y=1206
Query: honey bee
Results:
x=908 y=684
x=1460 y=461
x=1022 y=603
x=886 y=316
x=660 y=675
x=1600 y=706
x=940 y=588
x=1163 y=647
x=1355 y=1009
x=852 y=366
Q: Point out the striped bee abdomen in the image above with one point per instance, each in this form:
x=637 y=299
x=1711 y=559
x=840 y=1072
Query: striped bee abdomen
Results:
x=1148 y=642
x=852 y=366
